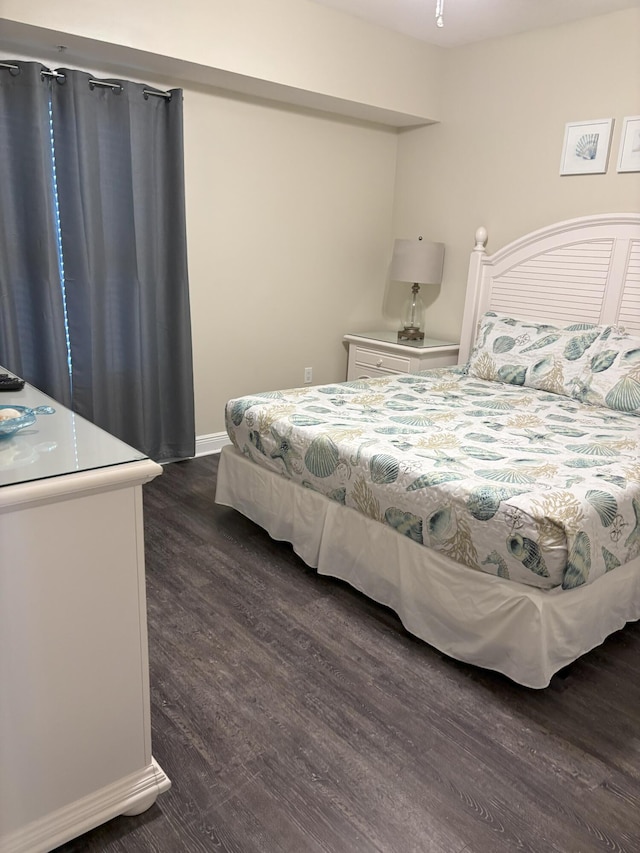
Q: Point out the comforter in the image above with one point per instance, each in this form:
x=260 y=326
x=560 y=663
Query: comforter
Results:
x=518 y=482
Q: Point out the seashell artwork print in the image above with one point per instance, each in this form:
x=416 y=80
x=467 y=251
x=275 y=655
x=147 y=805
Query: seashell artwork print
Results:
x=577 y=346
x=433 y=478
x=587 y=146
x=270 y=395
x=256 y=440
x=484 y=501
x=404 y=522
x=540 y=368
x=625 y=395
x=632 y=542
x=528 y=552
x=610 y=560
x=399 y=406
x=305 y=420
x=322 y=456
x=501 y=405
x=631 y=357
x=478 y=436
x=417 y=419
x=569 y=431
x=395 y=430
x=593 y=448
x=384 y=468
x=514 y=374
x=440 y=523
x=604 y=504
x=614 y=479
x=603 y=360
x=347 y=388
x=578 y=562
x=543 y=342
x=506 y=475
x=239 y=408
x=503 y=344
x=481 y=453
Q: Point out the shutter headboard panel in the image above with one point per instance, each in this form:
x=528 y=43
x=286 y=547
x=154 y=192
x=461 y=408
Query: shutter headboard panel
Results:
x=580 y=270
x=629 y=315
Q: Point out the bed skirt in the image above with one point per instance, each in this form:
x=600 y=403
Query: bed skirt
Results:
x=525 y=633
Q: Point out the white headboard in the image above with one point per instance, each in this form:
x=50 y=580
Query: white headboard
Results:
x=581 y=270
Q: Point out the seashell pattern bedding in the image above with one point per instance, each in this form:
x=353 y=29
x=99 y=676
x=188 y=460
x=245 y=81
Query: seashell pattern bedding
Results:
x=507 y=479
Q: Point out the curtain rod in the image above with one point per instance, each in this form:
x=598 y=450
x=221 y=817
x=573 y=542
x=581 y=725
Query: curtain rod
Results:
x=46 y=72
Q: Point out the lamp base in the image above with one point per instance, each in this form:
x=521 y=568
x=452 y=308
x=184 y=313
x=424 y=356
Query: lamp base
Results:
x=410 y=333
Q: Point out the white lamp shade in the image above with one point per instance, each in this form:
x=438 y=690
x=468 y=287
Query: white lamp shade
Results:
x=417 y=261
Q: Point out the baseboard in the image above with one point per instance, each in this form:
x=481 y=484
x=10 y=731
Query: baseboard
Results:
x=213 y=443
x=130 y=795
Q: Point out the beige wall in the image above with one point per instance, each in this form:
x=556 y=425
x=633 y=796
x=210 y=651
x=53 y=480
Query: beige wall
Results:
x=302 y=46
x=289 y=228
x=494 y=160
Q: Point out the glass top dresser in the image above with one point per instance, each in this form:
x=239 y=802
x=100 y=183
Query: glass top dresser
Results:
x=58 y=443
x=75 y=733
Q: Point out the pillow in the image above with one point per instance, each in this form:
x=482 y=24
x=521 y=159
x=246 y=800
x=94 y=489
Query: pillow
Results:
x=537 y=355
x=613 y=377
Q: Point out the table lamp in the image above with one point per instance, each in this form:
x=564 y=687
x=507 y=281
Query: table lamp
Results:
x=419 y=262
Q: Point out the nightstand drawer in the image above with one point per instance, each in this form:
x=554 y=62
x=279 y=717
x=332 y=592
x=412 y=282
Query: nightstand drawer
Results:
x=381 y=361
x=369 y=373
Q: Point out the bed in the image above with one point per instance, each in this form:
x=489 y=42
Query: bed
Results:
x=495 y=505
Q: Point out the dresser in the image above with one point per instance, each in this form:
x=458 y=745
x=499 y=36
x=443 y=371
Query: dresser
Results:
x=75 y=731
x=374 y=354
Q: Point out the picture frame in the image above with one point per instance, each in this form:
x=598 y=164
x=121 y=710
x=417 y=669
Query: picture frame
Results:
x=629 y=154
x=586 y=147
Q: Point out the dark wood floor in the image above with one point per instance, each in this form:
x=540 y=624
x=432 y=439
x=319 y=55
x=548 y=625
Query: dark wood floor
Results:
x=295 y=716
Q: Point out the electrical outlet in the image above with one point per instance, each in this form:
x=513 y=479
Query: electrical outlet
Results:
x=308 y=375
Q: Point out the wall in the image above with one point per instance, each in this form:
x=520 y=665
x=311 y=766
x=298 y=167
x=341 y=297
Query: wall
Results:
x=315 y=54
x=289 y=230
x=494 y=159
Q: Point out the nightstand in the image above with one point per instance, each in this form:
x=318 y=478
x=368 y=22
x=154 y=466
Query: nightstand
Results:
x=380 y=353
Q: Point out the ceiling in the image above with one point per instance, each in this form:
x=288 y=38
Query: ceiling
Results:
x=467 y=21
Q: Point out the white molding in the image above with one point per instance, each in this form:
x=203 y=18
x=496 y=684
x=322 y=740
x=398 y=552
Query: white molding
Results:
x=124 y=796
x=212 y=443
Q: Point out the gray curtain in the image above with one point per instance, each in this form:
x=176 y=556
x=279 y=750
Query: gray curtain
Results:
x=120 y=187
x=32 y=327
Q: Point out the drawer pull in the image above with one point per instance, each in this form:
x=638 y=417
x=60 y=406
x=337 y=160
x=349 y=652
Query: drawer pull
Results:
x=379 y=363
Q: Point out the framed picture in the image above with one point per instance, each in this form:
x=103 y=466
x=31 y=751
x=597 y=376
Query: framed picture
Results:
x=629 y=157
x=586 y=147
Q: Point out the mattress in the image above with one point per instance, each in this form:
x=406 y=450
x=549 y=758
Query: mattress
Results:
x=512 y=481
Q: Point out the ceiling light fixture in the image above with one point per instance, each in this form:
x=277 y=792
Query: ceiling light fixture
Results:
x=439 y=13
